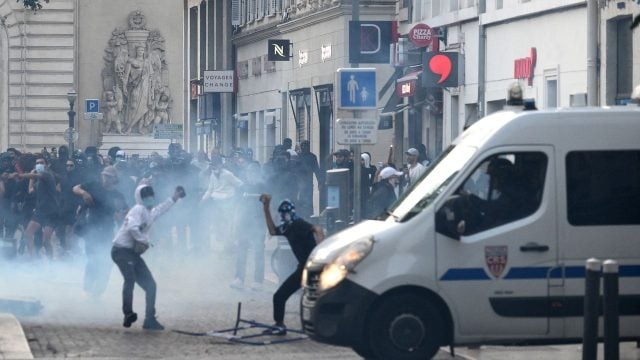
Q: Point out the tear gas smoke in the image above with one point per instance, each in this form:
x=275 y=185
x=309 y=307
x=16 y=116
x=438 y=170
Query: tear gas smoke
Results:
x=193 y=260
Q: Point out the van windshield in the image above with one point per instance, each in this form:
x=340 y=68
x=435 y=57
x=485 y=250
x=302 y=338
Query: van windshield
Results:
x=433 y=181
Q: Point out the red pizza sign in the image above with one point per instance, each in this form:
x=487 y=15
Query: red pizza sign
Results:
x=422 y=35
x=496 y=259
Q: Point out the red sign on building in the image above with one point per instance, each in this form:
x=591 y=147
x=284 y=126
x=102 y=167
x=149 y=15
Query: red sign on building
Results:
x=406 y=85
x=195 y=89
x=421 y=35
x=524 y=68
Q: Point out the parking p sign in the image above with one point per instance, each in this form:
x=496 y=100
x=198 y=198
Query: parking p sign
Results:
x=92 y=106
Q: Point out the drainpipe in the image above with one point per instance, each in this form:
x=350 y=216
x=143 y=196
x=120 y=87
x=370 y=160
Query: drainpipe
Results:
x=592 y=52
x=482 y=58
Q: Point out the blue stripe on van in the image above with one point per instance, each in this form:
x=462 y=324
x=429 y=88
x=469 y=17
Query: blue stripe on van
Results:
x=531 y=273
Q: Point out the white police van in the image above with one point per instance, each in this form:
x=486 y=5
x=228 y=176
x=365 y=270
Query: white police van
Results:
x=490 y=245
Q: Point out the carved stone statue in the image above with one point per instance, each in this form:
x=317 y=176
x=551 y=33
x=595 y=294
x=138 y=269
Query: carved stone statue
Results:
x=112 y=108
x=135 y=80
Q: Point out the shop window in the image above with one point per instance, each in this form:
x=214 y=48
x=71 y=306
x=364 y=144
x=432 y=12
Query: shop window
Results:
x=603 y=187
x=300 y=101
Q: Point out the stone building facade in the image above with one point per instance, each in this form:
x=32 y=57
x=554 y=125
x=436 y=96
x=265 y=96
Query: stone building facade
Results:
x=66 y=45
x=37 y=69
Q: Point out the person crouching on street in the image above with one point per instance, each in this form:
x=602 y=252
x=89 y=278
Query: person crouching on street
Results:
x=302 y=237
x=130 y=242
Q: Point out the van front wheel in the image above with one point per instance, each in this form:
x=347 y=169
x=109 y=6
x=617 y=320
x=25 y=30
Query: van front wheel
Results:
x=406 y=327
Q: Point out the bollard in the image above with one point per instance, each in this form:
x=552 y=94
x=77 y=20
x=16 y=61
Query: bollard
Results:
x=591 y=313
x=610 y=305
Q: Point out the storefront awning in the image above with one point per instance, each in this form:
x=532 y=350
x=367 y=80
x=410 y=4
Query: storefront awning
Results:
x=411 y=76
x=391 y=105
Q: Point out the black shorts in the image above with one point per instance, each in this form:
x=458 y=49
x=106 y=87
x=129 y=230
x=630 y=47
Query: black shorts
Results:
x=45 y=219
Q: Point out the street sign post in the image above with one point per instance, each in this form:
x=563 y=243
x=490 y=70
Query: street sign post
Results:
x=70 y=135
x=92 y=105
x=356 y=131
x=93 y=116
x=357 y=88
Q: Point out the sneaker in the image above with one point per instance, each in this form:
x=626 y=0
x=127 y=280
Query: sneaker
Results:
x=152 y=324
x=129 y=319
x=257 y=287
x=277 y=330
x=237 y=284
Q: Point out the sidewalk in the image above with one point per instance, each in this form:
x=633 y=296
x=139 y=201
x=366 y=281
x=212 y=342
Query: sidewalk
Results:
x=628 y=351
x=13 y=342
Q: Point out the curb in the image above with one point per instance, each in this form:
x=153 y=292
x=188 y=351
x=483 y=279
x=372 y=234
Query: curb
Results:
x=13 y=342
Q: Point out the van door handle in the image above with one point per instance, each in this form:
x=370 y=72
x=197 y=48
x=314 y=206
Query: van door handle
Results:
x=534 y=247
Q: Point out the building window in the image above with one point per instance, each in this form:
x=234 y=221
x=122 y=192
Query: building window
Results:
x=455 y=117
x=551 y=88
x=256 y=66
x=499 y=4
x=619 y=52
x=269 y=66
x=300 y=100
x=453 y=5
x=470 y=114
x=435 y=8
x=603 y=187
x=243 y=69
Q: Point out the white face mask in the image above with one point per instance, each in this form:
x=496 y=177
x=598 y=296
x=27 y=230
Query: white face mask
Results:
x=39 y=168
x=149 y=201
x=286 y=217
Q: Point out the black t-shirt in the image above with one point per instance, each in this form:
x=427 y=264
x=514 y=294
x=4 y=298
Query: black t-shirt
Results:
x=46 y=194
x=105 y=203
x=299 y=233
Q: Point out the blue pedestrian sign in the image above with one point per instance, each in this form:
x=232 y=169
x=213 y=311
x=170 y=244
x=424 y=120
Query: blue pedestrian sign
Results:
x=357 y=88
x=92 y=106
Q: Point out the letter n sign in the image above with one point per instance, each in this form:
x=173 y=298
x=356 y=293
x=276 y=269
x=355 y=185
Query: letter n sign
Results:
x=279 y=50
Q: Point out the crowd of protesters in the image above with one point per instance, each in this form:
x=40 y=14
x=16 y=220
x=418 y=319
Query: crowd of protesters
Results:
x=56 y=205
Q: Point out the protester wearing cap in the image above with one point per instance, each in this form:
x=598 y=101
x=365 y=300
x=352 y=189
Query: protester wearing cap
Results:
x=385 y=192
x=103 y=206
x=414 y=169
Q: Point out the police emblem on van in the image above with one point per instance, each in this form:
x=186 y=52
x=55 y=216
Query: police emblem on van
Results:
x=496 y=259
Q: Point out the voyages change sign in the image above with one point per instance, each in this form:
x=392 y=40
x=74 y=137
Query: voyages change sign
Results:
x=218 y=81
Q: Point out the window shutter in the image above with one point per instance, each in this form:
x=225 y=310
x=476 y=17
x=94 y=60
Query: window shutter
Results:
x=235 y=12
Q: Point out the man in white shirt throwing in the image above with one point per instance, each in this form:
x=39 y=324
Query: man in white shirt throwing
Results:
x=130 y=242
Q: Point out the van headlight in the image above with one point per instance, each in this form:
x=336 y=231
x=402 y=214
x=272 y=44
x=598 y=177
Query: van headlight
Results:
x=345 y=261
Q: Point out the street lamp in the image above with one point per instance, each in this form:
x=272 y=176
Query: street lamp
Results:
x=71 y=96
